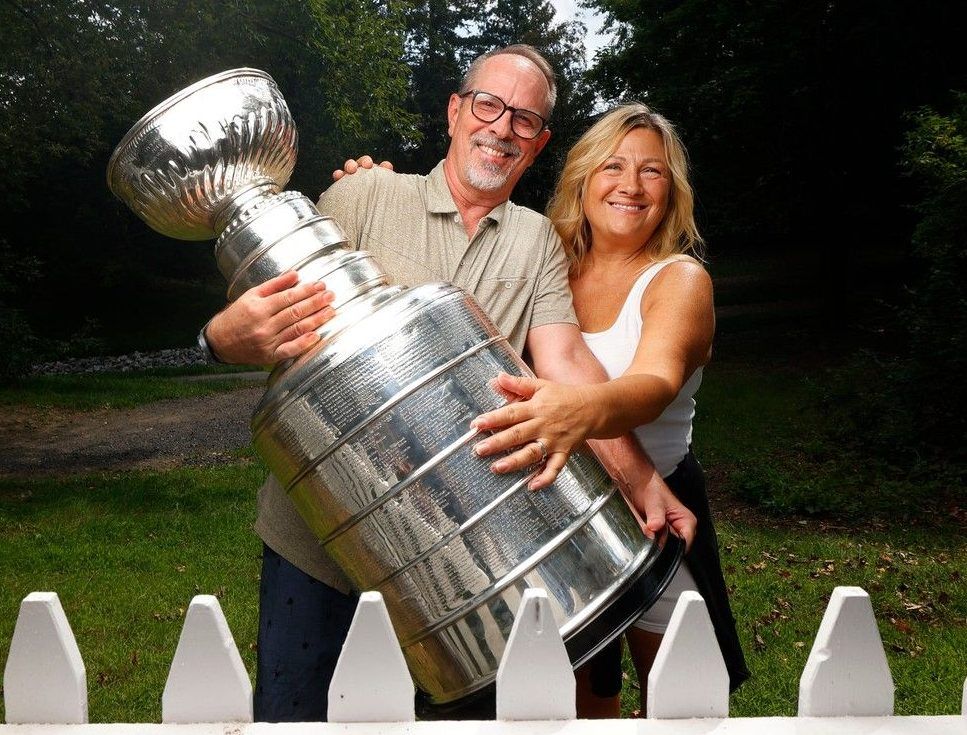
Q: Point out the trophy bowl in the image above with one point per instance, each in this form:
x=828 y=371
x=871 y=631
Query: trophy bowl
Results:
x=189 y=165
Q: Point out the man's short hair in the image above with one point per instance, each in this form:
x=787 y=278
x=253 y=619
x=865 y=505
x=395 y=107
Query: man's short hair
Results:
x=518 y=49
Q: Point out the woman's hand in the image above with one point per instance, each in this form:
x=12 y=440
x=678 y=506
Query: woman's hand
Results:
x=547 y=423
x=658 y=507
x=351 y=166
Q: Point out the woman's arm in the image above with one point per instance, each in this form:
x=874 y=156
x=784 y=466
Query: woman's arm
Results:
x=676 y=339
x=559 y=353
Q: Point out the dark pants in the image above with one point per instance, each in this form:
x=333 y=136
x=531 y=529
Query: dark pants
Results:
x=302 y=626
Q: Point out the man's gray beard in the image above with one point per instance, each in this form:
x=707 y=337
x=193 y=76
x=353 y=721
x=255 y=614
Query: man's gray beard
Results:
x=485 y=177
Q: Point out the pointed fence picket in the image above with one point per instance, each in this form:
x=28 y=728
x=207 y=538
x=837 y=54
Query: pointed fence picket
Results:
x=371 y=682
x=685 y=680
x=206 y=661
x=534 y=679
x=845 y=687
x=44 y=679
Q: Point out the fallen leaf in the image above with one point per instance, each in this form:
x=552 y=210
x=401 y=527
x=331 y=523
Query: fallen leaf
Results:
x=902 y=625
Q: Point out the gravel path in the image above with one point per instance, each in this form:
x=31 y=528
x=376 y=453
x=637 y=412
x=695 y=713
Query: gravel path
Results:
x=190 y=431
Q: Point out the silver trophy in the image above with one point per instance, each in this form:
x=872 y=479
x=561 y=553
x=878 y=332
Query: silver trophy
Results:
x=368 y=431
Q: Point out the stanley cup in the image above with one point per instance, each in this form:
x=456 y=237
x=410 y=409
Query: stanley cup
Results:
x=369 y=430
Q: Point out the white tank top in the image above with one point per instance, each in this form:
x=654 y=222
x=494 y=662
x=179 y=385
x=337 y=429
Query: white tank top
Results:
x=666 y=439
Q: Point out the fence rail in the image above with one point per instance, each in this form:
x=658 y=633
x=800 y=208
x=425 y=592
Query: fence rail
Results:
x=845 y=687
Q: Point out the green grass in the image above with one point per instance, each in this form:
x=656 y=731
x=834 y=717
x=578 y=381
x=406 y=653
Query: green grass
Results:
x=116 y=390
x=127 y=551
x=763 y=433
x=782 y=577
x=759 y=433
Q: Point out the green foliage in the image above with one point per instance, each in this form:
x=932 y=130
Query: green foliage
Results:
x=438 y=51
x=21 y=344
x=913 y=412
x=791 y=109
x=936 y=155
x=361 y=74
x=76 y=74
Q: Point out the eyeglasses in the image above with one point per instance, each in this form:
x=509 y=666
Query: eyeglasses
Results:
x=488 y=107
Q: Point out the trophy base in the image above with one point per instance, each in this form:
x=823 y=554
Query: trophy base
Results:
x=637 y=596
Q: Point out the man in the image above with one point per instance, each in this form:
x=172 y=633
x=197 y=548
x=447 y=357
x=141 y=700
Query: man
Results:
x=456 y=224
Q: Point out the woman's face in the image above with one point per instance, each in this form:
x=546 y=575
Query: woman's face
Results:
x=627 y=196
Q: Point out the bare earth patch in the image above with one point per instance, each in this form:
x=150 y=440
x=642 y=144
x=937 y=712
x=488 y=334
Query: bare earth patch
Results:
x=190 y=431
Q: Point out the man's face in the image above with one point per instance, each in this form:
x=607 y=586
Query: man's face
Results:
x=488 y=157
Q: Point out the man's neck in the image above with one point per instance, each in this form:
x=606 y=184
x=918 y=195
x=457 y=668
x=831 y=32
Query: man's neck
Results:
x=472 y=204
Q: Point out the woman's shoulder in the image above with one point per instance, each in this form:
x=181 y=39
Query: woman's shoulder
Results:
x=681 y=268
x=677 y=277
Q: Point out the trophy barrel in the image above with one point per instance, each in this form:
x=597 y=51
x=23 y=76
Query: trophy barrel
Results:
x=370 y=435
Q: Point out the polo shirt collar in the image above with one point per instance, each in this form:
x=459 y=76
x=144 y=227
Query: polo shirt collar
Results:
x=440 y=200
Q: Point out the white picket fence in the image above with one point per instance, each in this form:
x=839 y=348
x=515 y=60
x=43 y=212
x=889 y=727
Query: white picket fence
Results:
x=845 y=688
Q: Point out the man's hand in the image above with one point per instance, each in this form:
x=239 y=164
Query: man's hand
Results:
x=655 y=501
x=270 y=322
x=352 y=166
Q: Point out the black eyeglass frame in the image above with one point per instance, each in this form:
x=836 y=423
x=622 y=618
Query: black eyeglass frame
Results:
x=513 y=112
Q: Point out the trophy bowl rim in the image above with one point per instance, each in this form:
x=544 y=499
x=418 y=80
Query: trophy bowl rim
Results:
x=169 y=102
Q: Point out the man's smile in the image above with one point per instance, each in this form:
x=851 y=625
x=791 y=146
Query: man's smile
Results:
x=494 y=147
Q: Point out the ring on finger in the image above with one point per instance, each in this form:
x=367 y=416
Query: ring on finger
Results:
x=543 y=447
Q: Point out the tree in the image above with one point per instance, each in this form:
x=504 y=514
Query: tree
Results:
x=562 y=43
x=791 y=109
x=438 y=51
x=76 y=74
x=931 y=409
x=911 y=417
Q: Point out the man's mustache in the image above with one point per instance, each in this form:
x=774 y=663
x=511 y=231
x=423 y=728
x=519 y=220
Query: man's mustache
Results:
x=504 y=146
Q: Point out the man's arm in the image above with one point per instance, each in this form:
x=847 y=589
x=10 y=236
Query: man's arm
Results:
x=559 y=353
x=277 y=319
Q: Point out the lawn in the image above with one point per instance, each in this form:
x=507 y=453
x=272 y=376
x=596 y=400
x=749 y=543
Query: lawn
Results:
x=127 y=551
x=121 y=390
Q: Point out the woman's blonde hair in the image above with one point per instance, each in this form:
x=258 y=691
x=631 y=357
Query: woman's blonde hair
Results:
x=676 y=234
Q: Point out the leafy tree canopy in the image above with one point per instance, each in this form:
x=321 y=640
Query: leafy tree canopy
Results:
x=76 y=74
x=791 y=109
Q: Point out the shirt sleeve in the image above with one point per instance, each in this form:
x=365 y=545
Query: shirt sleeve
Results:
x=348 y=202
x=552 y=300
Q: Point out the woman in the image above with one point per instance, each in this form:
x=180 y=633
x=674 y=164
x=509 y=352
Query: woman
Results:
x=624 y=209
